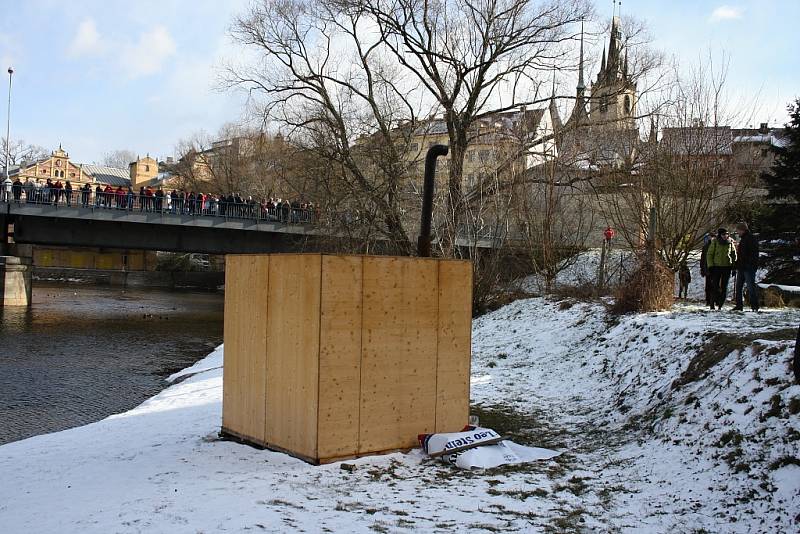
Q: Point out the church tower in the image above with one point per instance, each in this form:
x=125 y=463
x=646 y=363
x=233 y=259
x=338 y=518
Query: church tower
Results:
x=613 y=99
x=142 y=170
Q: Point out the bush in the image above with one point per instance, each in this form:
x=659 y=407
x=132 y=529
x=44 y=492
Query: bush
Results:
x=651 y=287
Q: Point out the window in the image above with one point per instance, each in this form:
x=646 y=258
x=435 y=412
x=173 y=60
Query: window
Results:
x=484 y=155
x=414 y=147
x=147 y=168
x=764 y=152
x=628 y=104
x=471 y=155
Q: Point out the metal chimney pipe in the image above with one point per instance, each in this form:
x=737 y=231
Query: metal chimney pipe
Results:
x=424 y=241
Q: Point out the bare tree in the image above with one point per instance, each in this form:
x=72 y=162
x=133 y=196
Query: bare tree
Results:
x=475 y=59
x=21 y=152
x=120 y=159
x=552 y=220
x=327 y=79
x=246 y=161
x=685 y=173
x=340 y=69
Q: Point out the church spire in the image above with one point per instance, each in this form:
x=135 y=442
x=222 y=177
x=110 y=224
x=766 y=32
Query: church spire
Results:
x=581 y=85
x=555 y=117
x=603 y=63
x=625 y=65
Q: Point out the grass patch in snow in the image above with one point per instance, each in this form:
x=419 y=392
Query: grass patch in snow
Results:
x=523 y=428
x=718 y=347
x=784 y=461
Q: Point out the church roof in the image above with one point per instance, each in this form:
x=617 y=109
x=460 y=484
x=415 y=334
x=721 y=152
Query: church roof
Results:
x=698 y=140
x=527 y=120
x=108 y=175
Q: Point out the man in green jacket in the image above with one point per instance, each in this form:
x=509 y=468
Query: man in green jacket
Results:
x=720 y=259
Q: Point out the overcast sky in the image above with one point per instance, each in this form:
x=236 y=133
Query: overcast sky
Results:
x=98 y=76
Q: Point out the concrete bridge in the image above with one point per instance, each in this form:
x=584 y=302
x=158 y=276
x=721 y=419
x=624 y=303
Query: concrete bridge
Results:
x=241 y=230
x=135 y=223
x=57 y=224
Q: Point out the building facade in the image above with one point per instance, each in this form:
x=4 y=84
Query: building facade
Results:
x=58 y=167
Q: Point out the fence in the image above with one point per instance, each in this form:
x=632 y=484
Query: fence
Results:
x=294 y=213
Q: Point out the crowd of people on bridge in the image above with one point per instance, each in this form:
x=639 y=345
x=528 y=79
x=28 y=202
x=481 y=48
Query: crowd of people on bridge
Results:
x=158 y=200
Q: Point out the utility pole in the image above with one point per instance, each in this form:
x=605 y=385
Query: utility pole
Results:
x=8 y=119
x=3 y=221
x=601 y=276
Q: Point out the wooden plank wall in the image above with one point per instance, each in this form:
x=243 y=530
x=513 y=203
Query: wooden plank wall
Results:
x=335 y=356
x=293 y=353
x=454 y=345
x=340 y=356
x=245 y=324
x=398 y=364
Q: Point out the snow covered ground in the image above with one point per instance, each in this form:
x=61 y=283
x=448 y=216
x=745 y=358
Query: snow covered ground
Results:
x=583 y=272
x=685 y=421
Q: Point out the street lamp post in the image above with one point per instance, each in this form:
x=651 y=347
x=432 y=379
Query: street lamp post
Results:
x=8 y=119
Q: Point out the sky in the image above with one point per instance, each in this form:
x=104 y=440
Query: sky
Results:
x=102 y=75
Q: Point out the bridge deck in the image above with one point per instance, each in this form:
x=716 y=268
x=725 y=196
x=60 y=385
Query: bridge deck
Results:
x=92 y=213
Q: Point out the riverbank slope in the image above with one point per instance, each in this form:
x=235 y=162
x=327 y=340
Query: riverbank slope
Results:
x=681 y=421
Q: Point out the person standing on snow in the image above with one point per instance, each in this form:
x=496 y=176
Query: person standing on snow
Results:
x=684 y=279
x=709 y=291
x=720 y=259
x=746 y=267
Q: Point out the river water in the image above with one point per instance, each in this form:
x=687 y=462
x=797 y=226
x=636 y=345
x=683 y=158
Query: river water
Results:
x=81 y=353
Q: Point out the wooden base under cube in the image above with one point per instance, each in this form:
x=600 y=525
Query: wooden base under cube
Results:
x=332 y=357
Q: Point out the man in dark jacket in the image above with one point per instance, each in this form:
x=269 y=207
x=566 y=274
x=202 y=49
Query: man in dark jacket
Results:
x=746 y=267
x=16 y=190
x=709 y=290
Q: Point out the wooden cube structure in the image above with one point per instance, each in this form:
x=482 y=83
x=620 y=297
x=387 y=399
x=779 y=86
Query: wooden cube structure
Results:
x=330 y=357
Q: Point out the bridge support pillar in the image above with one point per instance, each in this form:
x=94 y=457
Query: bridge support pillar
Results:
x=16 y=281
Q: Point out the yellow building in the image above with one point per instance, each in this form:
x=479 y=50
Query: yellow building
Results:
x=59 y=167
x=142 y=171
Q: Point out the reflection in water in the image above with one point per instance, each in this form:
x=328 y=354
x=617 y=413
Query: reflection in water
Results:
x=81 y=353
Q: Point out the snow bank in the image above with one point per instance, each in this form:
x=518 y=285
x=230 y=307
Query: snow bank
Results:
x=671 y=454
x=212 y=361
x=583 y=271
x=662 y=436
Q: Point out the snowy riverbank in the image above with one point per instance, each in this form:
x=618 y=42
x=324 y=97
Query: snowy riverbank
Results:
x=660 y=435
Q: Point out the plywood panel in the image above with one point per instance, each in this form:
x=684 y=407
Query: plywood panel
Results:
x=454 y=345
x=244 y=373
x=293 y=353
x=398 y=365
x=340 y=356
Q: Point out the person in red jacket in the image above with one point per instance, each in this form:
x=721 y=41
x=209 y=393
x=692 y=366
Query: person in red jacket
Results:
x=148 y=195
x=108 y=193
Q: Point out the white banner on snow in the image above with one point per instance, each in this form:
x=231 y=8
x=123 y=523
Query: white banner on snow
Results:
x=502 y=453
x=446 y=443
x=480 y=447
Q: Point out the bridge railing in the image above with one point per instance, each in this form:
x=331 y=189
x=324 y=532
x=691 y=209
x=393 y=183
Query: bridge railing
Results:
x=287 y=213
